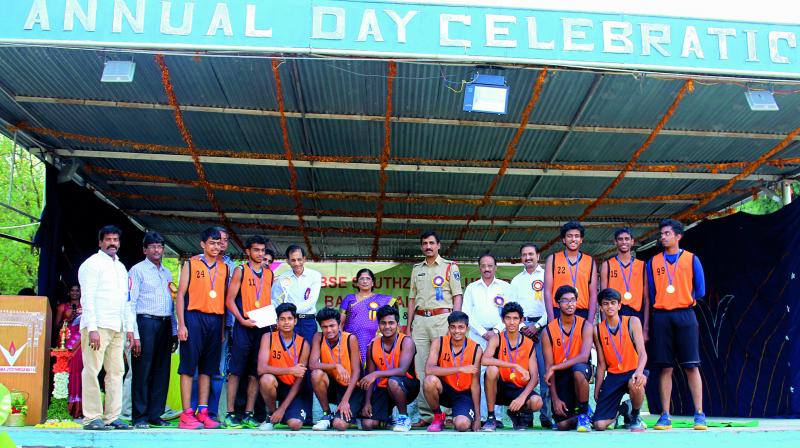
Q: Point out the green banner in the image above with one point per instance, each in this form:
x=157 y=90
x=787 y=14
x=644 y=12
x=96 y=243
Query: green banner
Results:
x=391 y=279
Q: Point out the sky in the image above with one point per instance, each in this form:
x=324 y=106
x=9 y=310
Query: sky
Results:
x=769 y=11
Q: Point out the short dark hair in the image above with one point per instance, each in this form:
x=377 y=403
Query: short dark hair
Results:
x=572 y=225
x=152 y=238
x=211 y=233
x=222 y=230
x=371 y=275
x=255 y=239
x=388 y=310
x=512 y=307
x=608 y=294
x=428 y=234
x=487 y=254
x=564 y=289
x=270 y=252
x=294 y=248
x=676 y=225
x=108 y=230
x=457 y=316
x=534 y=246
x=328 y=314
x=621 y=230
x=286 y=307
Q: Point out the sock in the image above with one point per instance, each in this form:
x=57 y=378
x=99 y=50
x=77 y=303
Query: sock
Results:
x=490 y=414
x=634 y=412
x=583 y=408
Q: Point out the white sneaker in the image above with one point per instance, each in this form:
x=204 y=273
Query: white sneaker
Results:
x=323 y=424
x=266 y=426
x=403 y=424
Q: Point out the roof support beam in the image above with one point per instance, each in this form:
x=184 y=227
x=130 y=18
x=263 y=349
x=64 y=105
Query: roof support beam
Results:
x=413 y=168
x=379 y=118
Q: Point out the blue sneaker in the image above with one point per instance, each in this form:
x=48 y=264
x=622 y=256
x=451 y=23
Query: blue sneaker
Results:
x=663 y=423
x=403 y=424
x=700 y=421
x=584 y=424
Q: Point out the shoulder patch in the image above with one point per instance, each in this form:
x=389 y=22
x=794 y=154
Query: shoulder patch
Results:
x=457 y=275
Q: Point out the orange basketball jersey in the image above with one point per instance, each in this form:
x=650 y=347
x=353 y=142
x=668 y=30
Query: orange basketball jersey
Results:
x=201 y=278
x=285 y=357
x=682 y=276
x=566 y=342
x=518 y=353
x=337 y=354
x=618 y=349
x=389 y=360
x=636 y=282
x=256 y=291
x=464 y=357
x=563 y=276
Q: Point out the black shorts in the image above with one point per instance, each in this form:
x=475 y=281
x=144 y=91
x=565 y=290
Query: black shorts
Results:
x=676 y=334
x=382 y=402
x=202 y=350
x=459 y=402
x=614 y=387
x=565 y=387
x=295 y=410
x=508 y=392
x=245 y=343
x=628 y=311
x=335 y=393
x=583 y=312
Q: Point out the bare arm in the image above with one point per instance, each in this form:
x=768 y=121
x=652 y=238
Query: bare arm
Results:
x=592 y=295
x=298 y=383
x=548 y=287
x=458 y=299
x=233 y=290
x=600 y=375
x=604 y=275
x=475 y=390
x=314 y=360
x=180 y=301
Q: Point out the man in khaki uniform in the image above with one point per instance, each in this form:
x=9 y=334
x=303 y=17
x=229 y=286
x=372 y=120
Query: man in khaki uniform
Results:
x=435 y=293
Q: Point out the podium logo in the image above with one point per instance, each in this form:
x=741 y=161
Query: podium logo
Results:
x=12 y=353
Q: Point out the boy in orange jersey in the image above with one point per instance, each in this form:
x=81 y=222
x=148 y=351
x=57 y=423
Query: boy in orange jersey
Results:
x=282 y=362
x=621 y=358
x=511 y=372
x=391 y=379
x=625 y=273
x=200 y=308
x=250 y=289
x=453 y=376
x=571 y=267
x=676 y=282
x=335 y=365
x=567 y=345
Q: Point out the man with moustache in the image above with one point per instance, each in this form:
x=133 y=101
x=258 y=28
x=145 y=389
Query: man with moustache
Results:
x=105 y=325
x=435 y=293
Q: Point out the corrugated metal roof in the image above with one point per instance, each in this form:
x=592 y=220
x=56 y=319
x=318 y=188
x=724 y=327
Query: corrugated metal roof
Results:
x=346 y=91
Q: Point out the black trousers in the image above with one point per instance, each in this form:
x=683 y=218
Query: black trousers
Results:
x=151 y=369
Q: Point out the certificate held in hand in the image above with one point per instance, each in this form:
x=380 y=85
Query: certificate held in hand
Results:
x=264 y=316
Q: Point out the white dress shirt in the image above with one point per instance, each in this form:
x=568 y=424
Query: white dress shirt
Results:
x=104 y=293
x=302 y=290
x=150 y=293
x=482 y=309
x=527 y=289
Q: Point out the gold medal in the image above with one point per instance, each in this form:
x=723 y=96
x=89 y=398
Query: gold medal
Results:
x=670 y=289
x=513 y=376
x=212 y=294
x=627 y=295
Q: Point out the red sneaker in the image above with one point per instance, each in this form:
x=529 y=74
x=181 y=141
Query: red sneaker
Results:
x=189 y=421
x=206 y=420
x=438 y=423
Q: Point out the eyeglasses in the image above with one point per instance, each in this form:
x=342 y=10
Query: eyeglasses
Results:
x=570 y=300
x=365 y=279
x=155 y=246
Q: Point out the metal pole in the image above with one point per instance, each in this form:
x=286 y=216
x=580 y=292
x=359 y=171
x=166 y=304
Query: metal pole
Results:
x=787 y=192
x=11 y=175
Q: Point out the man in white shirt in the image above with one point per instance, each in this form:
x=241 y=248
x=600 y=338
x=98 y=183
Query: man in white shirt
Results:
x=104 y=324
x=300 y=286
x=483 y=301
x=527 y=289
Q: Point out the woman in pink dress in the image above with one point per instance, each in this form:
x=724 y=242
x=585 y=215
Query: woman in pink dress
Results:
x=359 y=310
x=70 y=312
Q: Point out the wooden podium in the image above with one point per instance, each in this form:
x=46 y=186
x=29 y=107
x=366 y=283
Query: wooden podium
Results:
x=25 y=326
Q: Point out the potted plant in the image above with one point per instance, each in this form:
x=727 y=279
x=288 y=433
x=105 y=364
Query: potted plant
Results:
x=19 y=409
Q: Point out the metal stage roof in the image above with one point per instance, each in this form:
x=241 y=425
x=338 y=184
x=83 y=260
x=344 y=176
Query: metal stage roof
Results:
x=365 y=179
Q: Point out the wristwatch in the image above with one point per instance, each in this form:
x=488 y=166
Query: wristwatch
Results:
x=496 y=331
x=537 y=326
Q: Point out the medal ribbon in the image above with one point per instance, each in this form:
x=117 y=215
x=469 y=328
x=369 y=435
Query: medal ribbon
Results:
x=675 y=266
x=291 y=344
x=618 y=331
x=570 y=264
x=390 y=361
x=438 y=288
x=512 y=354
x=625 y=278
x=259 y=284
x=460 y=359
x=330 y=347
x=214 y=279
x=569 y=345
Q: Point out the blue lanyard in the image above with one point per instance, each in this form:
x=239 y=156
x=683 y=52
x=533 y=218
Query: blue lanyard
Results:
x=460 y=359
x=259 y=286
x=626 y=278
x=571 y=330
x=330 y=347
x=675 y=266
x=214 y=279
x=512 y=353
x=291 y=344
x=389 y=365
x=618 y=331
x=570 y=264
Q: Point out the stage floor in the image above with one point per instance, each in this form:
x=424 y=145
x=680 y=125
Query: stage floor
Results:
x=768 y=433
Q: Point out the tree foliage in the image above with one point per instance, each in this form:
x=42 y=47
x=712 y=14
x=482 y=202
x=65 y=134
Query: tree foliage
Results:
x=19 y=263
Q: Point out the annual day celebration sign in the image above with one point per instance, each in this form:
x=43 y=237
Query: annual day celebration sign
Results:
x=411 y=30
